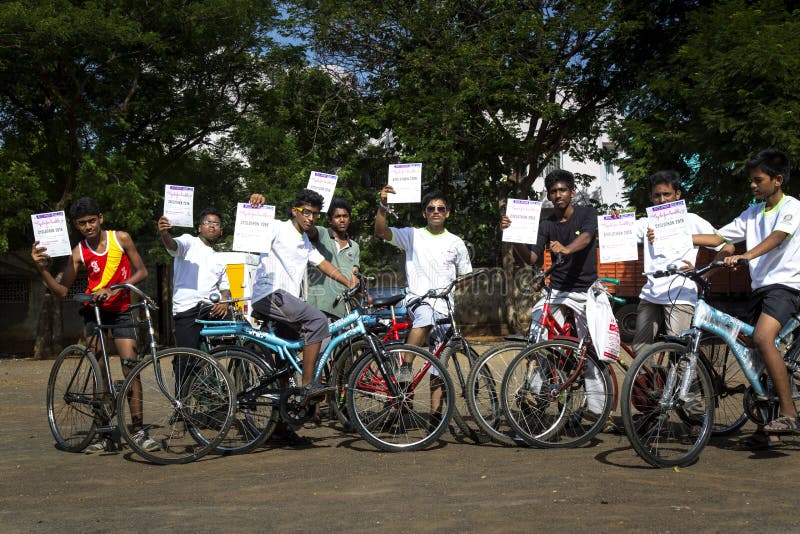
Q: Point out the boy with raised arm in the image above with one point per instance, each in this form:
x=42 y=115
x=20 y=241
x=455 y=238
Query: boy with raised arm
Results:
x=434 y=258
x=197 y=272
x=110 y=258
x=667 y=301
x=770 y=230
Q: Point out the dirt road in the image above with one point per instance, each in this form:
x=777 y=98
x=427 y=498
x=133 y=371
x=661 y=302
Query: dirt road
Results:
x=342 y=483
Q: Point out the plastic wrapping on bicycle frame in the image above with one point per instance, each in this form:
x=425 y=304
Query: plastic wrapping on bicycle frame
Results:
x=602 y=325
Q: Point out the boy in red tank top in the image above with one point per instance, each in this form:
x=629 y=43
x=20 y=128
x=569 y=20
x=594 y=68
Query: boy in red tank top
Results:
x=111 y=258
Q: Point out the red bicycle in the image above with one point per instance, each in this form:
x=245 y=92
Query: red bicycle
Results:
x=485 y=379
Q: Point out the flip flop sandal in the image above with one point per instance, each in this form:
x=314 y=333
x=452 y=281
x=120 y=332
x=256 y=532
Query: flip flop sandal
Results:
x=781 y=425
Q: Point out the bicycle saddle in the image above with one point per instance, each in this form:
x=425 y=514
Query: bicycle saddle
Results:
x=387 y=301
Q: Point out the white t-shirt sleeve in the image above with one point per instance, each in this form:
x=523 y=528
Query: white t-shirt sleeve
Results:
x=788 y=222
x=183 y=242
x=402 y=238
x=315 y=257
x=641 y=229
x=463 y=264
x=736 y=230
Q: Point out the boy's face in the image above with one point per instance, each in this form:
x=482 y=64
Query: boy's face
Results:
x=210 y=228
x=304 y=216
x=663 y=193
x=89 y=226
x=763 y=185
x=560 y=195
x=340 y=220
x=436 y=212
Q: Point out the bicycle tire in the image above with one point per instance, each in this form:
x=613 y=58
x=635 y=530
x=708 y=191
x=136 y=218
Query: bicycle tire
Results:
x=659 y=426
x=730 y=385
x=74 y=388
x=483 y=393
x=254 y=421
x=581 y=404
x=410 y=420
x=459 y=363
x=203 y=397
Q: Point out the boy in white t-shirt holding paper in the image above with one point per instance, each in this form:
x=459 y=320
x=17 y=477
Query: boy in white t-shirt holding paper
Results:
x=434 y=258
x=666 y=301
x=770 y=229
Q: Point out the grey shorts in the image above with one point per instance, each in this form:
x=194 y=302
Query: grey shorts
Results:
x=287 y=309
x=121 y=321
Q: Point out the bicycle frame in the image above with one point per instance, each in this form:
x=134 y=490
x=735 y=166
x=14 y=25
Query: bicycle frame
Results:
x=734 y=332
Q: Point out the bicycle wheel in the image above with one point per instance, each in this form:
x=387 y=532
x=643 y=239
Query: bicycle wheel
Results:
x=255 y=415
x=459 y=363
x=74 y=390
x=413 y=418
x=200 y=399
x=552 y=400
x=483 y=391
x=729 y=383
x=664 y=429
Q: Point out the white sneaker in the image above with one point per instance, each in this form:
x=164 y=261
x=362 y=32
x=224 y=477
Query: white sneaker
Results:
x=96 y=447
x=144 y=442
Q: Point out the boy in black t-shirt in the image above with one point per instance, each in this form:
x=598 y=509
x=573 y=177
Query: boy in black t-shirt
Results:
x=569 y=231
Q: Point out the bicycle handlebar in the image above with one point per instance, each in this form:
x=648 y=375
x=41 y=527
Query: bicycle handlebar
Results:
x=133 y=289
x=442 y=293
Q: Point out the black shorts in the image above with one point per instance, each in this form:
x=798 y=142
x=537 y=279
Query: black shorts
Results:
x=124 y=319
x=777 y=301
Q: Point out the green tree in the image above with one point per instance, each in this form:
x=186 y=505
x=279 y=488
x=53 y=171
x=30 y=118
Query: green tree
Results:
x=111 y=97
x=726 y=91
x=486 y=94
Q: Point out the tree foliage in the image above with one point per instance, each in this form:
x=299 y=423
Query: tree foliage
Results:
x=725 y=92
x=113 y=97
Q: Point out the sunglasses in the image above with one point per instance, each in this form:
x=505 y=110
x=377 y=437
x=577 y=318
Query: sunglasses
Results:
x=440 y=209
x=212 y=223
x=307 y=212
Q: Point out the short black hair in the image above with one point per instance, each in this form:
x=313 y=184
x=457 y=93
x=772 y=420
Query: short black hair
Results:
x=82 y=207
x=670 y=178
x=771 y=162
x=559 y=175
x=339 y=203
x=208 y=211
x=307 y=196
x=435 y=195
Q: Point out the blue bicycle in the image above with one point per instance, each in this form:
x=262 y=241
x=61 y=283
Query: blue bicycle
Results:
x=393 y=413
x=671 y=391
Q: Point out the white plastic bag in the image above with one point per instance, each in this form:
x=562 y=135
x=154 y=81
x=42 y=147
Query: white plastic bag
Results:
x=602 y=325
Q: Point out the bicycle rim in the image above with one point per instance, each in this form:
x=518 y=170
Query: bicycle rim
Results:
x=664 y=429
x=201 y=402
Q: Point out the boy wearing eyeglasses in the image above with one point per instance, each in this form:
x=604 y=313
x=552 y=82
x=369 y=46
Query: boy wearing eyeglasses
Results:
x=434 y=258
x=197 y=272
x=280 y=275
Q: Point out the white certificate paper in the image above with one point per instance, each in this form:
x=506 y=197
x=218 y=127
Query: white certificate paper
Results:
x=179 y=204
x=406 y=178
x=524 y=215
x=324 y=184
x=251 y=227
x=50 y=230
x=670 y=226
x=617 y=237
